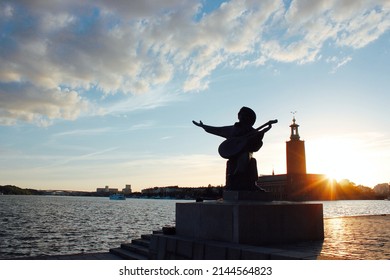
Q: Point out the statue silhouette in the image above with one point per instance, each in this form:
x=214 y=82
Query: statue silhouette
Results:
x=242 y=140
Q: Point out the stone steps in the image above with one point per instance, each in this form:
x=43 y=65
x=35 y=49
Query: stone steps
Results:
x=126 y=254
x=138 y=249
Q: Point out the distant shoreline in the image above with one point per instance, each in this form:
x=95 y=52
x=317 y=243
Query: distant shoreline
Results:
x=198 y=194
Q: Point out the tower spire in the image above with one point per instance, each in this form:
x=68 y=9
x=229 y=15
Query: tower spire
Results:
x=294 y=128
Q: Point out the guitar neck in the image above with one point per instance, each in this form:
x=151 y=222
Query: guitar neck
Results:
x=266 y=124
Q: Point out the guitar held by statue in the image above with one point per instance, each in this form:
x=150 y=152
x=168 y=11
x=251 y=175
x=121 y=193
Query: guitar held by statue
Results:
x=251 y=141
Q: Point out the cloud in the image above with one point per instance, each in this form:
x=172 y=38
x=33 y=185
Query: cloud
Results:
x=83 y=132
x=133 y=47
x=29 y=103
x=338 y=62
x=153 y=99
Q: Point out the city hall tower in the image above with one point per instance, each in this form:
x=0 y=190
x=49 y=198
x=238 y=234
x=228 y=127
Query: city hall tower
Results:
x=295 y=152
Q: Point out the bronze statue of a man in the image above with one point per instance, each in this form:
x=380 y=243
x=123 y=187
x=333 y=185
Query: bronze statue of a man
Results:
x=242 y=140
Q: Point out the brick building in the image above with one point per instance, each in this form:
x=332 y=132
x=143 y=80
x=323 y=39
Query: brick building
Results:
x=296 y=184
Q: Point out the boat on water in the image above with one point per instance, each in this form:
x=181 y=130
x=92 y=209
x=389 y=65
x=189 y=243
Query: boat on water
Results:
x=117 y=196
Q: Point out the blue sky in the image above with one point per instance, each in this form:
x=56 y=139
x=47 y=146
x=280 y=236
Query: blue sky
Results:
x=103 y=92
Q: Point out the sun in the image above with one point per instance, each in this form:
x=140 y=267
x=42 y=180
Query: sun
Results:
x=338 y=158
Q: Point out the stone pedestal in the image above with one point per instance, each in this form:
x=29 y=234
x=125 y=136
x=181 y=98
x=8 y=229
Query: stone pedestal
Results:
x=250 y=222
x=239 y=228
x=240 y=196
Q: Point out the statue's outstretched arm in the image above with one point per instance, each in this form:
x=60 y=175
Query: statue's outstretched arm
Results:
x=223 y=131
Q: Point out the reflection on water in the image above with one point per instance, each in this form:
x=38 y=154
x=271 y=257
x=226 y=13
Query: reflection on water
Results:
x=362 y=238
x=335 y=229
x=342 y=208
x=49 y=225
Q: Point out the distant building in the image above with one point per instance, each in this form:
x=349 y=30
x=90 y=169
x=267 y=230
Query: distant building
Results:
x=162 y=191
x=296 y=184
x=106 y=189
x=127 y=190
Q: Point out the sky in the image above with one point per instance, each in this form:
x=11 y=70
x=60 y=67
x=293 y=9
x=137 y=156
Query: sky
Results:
x=103 y=93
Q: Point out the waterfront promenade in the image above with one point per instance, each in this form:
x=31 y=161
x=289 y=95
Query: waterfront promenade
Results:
x=346 y=238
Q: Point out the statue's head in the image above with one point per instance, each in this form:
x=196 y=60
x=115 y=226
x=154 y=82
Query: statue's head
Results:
x=247 y=116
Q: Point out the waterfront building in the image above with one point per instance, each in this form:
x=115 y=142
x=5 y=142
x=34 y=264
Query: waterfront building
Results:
x=296 y=184
x=127 y=190
x=107 y=189
x=295 y=152
x=160 y=191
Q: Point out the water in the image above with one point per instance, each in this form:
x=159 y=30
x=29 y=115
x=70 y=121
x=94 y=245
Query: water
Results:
x=50 y=225
x=342 y=208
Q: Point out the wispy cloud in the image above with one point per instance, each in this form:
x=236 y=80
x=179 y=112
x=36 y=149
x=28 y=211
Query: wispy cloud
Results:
x=338 y=62
x=102 y=130
x=46 y=163
x=155 y=98
x=83 y=132
x=66 y=160
x=52 y=53
x=144 y=125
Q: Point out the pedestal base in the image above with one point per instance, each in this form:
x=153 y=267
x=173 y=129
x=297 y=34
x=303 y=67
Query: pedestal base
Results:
x=250 y=223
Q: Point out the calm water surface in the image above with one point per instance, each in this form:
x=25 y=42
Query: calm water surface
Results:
x=49 y=225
